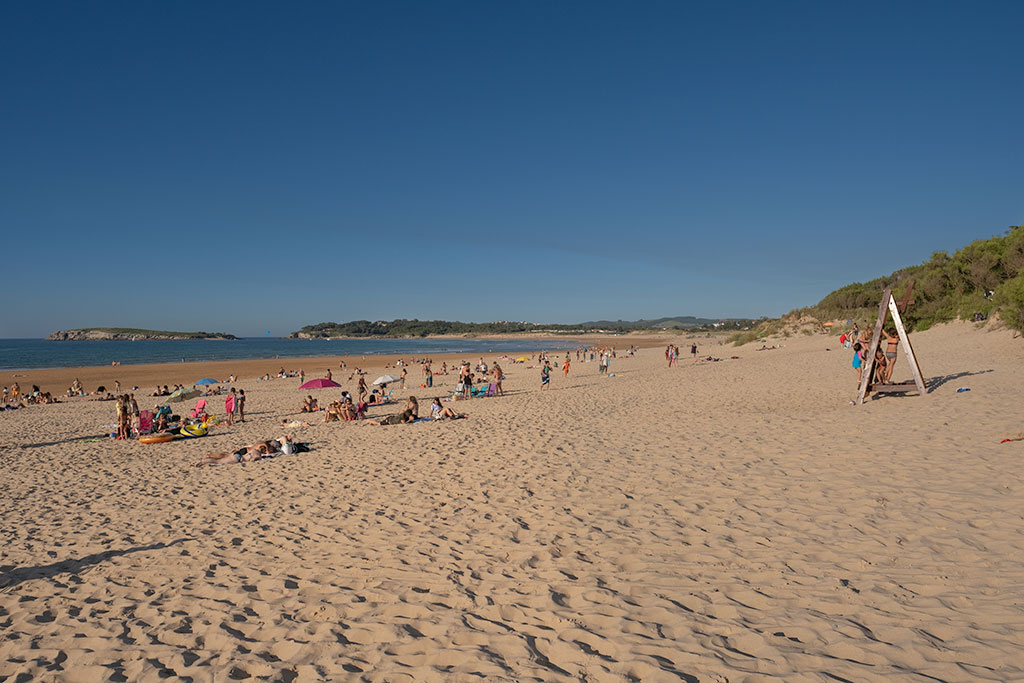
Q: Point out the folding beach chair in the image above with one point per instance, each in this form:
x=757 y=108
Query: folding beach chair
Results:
x=200 y=408
x=145 y=422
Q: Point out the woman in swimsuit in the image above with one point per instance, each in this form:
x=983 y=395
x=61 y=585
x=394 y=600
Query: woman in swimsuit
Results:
x=440 y=412
x=892 y=343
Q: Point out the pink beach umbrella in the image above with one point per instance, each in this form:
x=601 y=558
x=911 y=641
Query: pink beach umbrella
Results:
x=320 y=384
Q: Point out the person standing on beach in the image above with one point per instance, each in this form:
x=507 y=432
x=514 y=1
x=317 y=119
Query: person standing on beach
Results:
x=545 y=376
x=693 y=351
x=240 y=405
x=498 y=376
x=133 y=412
x=565 y=366
x=229 y=406
x=122 y=417
x=361 y=389
x=892 y=343
x=858 y=361
x=429 y=374
x=405 y=372
x=328 y=374
x=302 y=377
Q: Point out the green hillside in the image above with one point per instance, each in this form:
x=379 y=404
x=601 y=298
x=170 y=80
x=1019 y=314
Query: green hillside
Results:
x=984 y=277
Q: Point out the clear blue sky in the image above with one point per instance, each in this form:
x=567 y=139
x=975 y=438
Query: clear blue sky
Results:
x=251 y=166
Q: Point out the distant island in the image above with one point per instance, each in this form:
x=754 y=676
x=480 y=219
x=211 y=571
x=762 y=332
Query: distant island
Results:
x=130 y=334
x=426 y=328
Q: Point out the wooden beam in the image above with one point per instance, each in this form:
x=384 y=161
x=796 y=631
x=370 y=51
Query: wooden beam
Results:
x=869 y=364
x=894 y=388
x=908 y=350
x=906 y=297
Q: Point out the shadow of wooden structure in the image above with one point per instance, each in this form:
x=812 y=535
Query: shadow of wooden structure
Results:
x=887 y=307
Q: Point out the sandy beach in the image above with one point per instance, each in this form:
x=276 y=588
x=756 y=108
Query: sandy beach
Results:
x=717 y=521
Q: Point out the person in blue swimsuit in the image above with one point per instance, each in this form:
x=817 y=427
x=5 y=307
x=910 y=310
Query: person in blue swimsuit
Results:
x=858 y=360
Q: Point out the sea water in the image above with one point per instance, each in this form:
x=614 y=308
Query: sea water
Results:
x=19 y=354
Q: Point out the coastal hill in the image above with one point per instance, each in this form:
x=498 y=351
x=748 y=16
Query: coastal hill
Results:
x=425 y=328
x=982 y=279
x=130 y=334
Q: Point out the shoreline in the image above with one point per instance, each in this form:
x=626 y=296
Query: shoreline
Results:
x=147 y=375
x=583 y=339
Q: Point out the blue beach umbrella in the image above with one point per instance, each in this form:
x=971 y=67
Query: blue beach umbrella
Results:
x=207 y=380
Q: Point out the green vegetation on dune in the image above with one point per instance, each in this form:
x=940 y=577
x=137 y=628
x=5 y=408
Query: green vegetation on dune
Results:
x=984 y=277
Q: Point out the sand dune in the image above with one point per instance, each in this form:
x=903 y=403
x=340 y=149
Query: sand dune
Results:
x=718 y=521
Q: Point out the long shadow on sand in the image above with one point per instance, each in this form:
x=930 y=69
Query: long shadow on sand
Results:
x=933 y=383
x=936 y=382
x=11 y=575
x=73 y=439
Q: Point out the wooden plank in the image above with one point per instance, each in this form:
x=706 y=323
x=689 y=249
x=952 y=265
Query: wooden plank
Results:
x=908 y=350
x=894 y=388
x=906 y=297
x=869 y=364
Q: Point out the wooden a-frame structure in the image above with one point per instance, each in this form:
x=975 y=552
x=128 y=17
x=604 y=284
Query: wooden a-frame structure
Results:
x=888 y=306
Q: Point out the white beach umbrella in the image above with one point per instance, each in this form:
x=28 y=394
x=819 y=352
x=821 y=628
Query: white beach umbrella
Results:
x=386 y=379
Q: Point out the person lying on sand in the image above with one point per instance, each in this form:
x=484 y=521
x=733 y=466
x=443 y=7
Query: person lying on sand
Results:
x=411 y=413
x=251 y=453
x=243 y=454
x=291 y=424
x=439 y=412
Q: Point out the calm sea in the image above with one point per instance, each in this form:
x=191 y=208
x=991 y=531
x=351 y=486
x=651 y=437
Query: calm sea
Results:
x=18 y=354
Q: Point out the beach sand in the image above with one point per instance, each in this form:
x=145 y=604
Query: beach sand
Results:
x=717 y=521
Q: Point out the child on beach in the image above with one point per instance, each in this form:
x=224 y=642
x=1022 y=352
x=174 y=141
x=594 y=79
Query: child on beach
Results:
x=545 y=376
x=499 y=375
x=565 y=366
x=229 y=406
x=240 y=405
x=858 y=361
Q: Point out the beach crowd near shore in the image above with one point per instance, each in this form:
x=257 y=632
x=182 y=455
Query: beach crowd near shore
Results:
x=604 y=513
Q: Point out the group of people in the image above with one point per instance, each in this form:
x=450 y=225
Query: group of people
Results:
x=672 y=353
x=885 y=360
x=464 y=389
x=14 y=398
x=411 y=413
